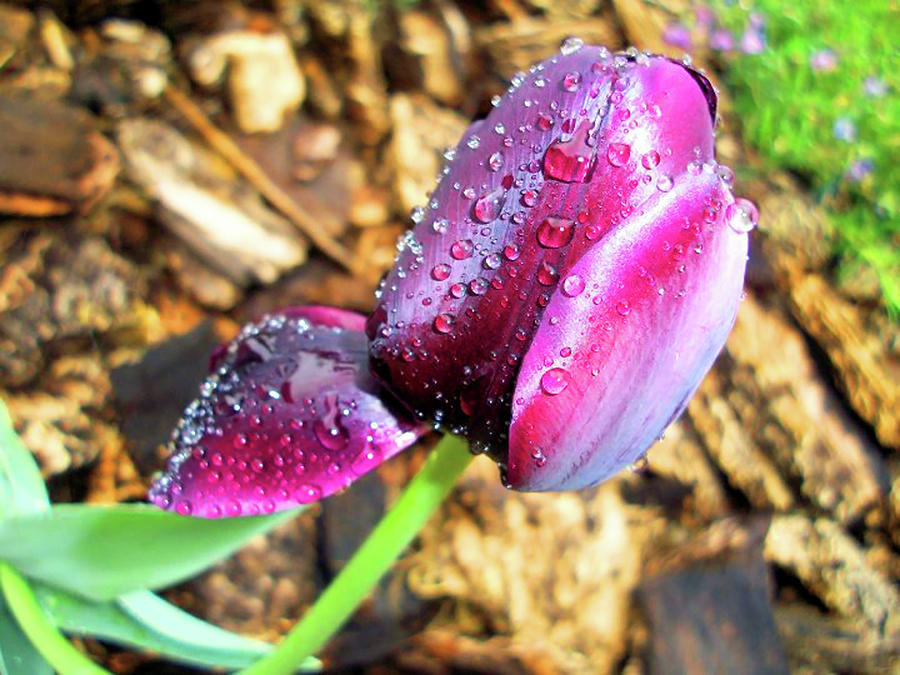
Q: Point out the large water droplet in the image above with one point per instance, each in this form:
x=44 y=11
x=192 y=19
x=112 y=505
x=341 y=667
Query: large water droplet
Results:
x=461 y=249
x=331 y=436
x=664 y=183
x=555 y=232
x=440 y=272
x=742 y=215
x=547 y=274
x=570 y=161
x=443 y=323
x=571 y=45
x=650 y=160
x=618 y=154
x=554 y=381
x=488 y=206
x=573 y=285
x=495 y=161
x=571 y=81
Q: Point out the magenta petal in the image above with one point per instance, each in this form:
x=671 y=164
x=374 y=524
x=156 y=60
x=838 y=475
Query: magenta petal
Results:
x=289 y=415
x=573 y=149
x=612 y=365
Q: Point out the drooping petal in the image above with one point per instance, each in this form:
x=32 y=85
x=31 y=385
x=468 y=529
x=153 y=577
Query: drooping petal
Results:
x=611 y=366
x=572 y=150
x=290 y=414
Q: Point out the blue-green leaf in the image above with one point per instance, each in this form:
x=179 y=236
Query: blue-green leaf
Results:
x=22 y=489
x=17 y=655
x=101 y=552
x=144 y=620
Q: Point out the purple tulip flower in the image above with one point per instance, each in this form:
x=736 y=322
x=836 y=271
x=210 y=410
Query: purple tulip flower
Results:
x=578 y=272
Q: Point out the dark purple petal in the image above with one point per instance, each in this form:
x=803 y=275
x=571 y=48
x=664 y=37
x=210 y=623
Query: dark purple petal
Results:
x=570 y=153
x=289 y=415
x=611 y=366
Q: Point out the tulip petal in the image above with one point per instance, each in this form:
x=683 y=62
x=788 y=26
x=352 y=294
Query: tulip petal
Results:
x=572 y=150
x=612 y=366
x=289 y=415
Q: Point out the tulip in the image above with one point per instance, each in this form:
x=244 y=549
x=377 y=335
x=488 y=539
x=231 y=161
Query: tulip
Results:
x=576 y=273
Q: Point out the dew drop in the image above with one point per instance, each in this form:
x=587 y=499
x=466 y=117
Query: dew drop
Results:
x=547 y=274
x=478 y=286
x=184 y=508
x=571 y=81
x=554 y=381
x=570 y=161
x=571 y=45
x=440 y=225
x=488 y=206
x=555 y=232
x=573 y=285
x=461 y=249
x=623 y=308
x=495 y=161
x=440 y=272
x=650 y=160
x=618 y=154
x=529 y=198
x=492 y=261
x=511 y=252
x=332 y=437
x=742 y=215
x=544 y=122
x=664 y=183
x=443 y=323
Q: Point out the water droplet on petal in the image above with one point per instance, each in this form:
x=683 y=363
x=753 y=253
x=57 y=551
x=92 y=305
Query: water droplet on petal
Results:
x=491 y=261
x=650 y=160
x=664 y=183
x=443 y=323
x=555 y=232
x=618 y=154
x=573 y=285
x=478 y=286
x=544 y=122
x=511 y=252
x=488 y=206
x=495 y=161
x=570 y=161
x=623 y=308
x=331 y=436
x=461 y=249
x=571 y=45
x=742 y=215
x=554 y=381
x=571 y=81
x=547 y=274
x=440 y=225
x=440 y=272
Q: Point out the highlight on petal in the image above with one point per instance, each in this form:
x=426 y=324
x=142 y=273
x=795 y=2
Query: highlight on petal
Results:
x=289 y=415
x=572 y=150
x=615 y=362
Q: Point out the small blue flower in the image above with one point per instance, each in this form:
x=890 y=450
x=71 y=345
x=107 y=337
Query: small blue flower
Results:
x=845 y=129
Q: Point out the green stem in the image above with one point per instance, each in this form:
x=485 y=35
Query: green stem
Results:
x=387 y=541
x=46 y=638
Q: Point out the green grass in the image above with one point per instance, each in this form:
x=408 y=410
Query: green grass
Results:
x=788 y=111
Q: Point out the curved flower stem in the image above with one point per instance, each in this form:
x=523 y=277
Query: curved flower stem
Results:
x=46 y=638
x=387 y=541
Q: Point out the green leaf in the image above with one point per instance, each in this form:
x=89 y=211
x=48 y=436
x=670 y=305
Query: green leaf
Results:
x=100 y=552
x=17 y=655
x=144 y=620
x=22 y=489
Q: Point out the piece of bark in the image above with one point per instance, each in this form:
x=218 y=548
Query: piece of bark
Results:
x=52 y=161
x=208 y=287
x=152 y=394
x=422 y=132
x=221 y=218
x=867 y=369
x=712 y=617
x=680 y=455
x=516 y=45
x=265 y=83
x=834 y=567
x=821 y=643
x=553 y=571
x=773 y=395
x=59 y=287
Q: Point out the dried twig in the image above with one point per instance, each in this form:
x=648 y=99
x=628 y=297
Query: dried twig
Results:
x=245 y=165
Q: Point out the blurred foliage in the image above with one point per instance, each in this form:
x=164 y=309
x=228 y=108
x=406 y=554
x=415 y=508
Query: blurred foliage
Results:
x=823 y=99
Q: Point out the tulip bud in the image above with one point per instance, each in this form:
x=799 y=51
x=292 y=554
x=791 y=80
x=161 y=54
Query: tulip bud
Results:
x=576 y=274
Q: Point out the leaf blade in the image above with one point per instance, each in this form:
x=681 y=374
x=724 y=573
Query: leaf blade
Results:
x=101 y=552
